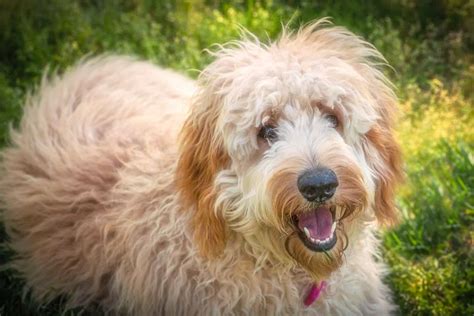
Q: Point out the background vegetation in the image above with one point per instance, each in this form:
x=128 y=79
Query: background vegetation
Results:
x=429 y=44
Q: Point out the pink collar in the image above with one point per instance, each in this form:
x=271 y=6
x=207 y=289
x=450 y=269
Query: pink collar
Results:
x=314 y=293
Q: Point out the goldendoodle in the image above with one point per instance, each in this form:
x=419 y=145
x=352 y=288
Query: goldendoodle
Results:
x=257 y=190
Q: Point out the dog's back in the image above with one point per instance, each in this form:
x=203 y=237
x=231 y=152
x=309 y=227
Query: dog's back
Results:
x=78 y=137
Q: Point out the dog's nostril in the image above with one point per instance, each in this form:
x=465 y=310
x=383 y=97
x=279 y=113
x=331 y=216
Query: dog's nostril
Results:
x=317 y=185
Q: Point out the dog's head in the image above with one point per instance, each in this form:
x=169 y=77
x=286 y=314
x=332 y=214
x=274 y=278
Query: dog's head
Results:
x=290 y=145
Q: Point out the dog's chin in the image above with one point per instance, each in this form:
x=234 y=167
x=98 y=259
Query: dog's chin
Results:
x=316 y=228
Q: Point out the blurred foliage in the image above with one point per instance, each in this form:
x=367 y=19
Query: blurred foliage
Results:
x=429 y=44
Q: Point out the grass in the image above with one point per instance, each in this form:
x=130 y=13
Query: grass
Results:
x=429 y=44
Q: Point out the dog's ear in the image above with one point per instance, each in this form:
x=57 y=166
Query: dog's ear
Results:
x=202 y=155
x=388 y=166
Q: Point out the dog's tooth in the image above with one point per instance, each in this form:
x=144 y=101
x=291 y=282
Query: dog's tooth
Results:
x=306 y=231
x=312 y=239
x=333 y=227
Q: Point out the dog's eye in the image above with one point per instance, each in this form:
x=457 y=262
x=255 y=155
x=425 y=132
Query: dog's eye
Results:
x=268 y=132
x=333 y=120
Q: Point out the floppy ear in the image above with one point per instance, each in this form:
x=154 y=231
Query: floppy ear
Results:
x=389 y=165
x=202 y=155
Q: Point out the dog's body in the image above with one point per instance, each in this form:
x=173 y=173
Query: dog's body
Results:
x=103 y=206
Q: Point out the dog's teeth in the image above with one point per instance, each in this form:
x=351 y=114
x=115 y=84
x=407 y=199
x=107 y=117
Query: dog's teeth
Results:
x=312 y=239
x=306 y=231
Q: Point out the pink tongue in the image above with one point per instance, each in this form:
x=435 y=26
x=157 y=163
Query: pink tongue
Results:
x=318 y=222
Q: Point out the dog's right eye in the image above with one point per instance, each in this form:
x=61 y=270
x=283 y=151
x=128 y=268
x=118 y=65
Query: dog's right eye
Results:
x=268 y=132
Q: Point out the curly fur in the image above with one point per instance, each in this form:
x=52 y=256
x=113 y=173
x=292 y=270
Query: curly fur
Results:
x=129 y=187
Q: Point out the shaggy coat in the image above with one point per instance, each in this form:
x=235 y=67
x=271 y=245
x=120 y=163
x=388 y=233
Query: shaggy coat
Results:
x=132 y=188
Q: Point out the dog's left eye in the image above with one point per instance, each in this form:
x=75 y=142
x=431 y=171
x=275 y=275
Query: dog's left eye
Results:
x=268 y=132
x=333 y=120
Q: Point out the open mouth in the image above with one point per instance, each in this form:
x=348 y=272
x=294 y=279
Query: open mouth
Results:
x=316 y=228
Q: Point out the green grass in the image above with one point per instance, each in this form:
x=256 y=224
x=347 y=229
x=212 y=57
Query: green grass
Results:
x=429 y=44
x=430 y=252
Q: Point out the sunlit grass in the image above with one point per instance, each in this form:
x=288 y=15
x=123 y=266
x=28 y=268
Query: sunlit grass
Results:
x=431 y=252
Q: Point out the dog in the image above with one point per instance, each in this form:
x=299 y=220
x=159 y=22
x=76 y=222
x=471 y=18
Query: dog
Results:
x=259 y=189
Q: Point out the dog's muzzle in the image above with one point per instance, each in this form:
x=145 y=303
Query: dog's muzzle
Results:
x=316 y=227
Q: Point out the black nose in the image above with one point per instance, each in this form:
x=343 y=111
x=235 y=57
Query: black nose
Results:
x=317 y=185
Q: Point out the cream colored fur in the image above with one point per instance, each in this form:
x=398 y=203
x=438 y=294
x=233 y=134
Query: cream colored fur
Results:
x=94 y=213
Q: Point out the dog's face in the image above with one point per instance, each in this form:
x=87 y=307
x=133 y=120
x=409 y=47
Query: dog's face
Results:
x=290 y=146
